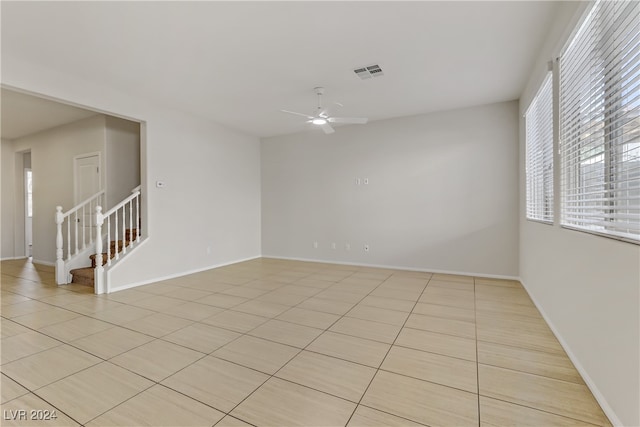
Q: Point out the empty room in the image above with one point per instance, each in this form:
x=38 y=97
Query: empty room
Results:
x=320 y=213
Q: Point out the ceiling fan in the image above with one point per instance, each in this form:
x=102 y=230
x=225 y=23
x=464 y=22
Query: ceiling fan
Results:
x=322 y=118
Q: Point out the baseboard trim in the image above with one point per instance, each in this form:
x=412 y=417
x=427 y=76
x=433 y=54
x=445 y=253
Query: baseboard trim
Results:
x=183 y=273
x=602 y=401
x=13 y=258
x=398 y=267
x=47 y=263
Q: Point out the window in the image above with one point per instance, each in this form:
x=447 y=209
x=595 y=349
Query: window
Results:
x=539 y=153
x=600 y=123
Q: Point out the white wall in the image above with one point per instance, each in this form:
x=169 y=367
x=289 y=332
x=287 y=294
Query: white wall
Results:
x=122 y=158
x=442 y=192
x=208 y=213
x=212 y=173
x=52 y=153
x=588 y=287
x=7 y=209
x=18 y=204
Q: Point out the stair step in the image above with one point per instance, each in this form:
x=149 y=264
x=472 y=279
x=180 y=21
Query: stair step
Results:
x=104 y=259
x=104 y=254
x=83 y=276
x=131 y=234
x=119 y=243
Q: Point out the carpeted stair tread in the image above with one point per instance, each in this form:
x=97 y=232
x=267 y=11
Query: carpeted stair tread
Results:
x=113 y=252
x=104 y=258
x=83 y=276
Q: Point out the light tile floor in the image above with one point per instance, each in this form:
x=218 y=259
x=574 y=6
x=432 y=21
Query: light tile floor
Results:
x=282 y=343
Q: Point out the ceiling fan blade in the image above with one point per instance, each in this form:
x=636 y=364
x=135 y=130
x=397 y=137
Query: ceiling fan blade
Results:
x=352 y=120
x=327 y=128
x=297 y=114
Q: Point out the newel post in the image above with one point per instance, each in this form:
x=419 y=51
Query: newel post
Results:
x=98 y=273
x=61 y=277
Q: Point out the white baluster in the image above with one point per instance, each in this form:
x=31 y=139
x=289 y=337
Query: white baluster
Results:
x=124 y=230
x=138 y=217
x=117 y=253
x=131 y=221
x=60 y=274
x=98 y=273
x=109 y=246
x=84 y=238
x=68 y=242
x=91 y=209
x=75 y=224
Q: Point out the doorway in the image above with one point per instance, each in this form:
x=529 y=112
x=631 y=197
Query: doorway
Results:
x=28 y=204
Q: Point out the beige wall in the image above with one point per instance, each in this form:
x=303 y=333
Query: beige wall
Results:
x=7 y=211
x=208 y=212
x=52 y=153
x=442 y=192
x=212 y=197
x=122 y=159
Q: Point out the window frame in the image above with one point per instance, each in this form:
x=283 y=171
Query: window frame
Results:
x=597 y=135
x=542 y=171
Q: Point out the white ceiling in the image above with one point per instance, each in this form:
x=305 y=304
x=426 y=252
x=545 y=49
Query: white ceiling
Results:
x=25 y=114
x=239 y=63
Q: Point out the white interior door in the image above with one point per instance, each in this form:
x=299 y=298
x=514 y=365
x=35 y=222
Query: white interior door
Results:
x=87 y=182
x=87 y=176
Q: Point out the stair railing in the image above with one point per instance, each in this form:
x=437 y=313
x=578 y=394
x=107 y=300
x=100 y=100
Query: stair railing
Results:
x=72 y=233
x=122 y=222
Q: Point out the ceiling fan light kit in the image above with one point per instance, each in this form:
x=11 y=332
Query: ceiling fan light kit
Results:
x=322 y=118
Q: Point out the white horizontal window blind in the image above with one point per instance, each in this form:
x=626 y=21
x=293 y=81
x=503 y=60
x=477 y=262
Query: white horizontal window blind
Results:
x=600 y=122
x=539 y=153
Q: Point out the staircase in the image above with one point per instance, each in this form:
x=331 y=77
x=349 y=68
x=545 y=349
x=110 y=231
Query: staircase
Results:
x=86 y=275
x=81 y=236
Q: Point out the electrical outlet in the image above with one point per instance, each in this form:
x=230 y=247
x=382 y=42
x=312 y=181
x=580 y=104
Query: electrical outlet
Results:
x=315 y=245
x=357 y=181
x=366 y=181
x=366 y=248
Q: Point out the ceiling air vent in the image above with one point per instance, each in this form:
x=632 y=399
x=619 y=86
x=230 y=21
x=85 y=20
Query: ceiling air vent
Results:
x=369 y=71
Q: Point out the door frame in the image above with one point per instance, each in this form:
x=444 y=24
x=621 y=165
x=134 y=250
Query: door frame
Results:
x=75 y=173
x=26 y=211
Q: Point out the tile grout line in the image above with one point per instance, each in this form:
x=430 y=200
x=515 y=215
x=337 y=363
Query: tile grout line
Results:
x=206 y=354
x=304 y=348
x=105 y=360
x=543 y=410
x=154 y=383
x=52 y=405
x=211 y=354
x=321 y=290
x=389 y=349
x=102 y=360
